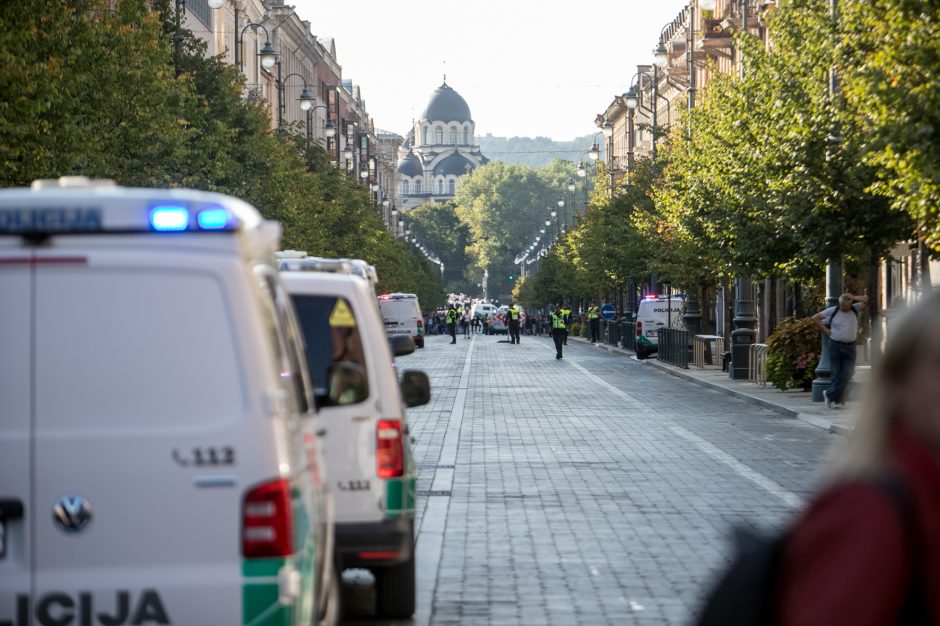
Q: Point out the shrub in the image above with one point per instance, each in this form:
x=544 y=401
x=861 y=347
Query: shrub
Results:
x=792 y=354
x=576 y=329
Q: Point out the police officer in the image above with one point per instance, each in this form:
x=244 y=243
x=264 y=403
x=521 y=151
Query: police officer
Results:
x=512 y=319
x=452 y=322
x=559 y=329
x=594 y=322
x=566 y=312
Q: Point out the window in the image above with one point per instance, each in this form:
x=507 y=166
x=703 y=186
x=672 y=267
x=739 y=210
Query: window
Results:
x=418 y=187
x=425 y=141
x=453 y=136
x=440 y=186
x=452 y=187
x=466 y=136
x=329 y=328
x=439 y=136
x=405 y=188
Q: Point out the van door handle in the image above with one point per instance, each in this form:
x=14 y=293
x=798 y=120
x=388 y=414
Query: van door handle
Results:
x=321 y=433
x=11 y=508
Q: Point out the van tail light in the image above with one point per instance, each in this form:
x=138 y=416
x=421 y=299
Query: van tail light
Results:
x=420 y=323
x=639 y=328
x=389 y=449
x=267 y=527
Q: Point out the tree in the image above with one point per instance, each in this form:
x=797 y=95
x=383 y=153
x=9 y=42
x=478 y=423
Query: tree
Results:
x=890 y=55
x=438 y=227
x=503 y=206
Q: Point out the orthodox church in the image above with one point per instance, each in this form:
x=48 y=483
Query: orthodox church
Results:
x=438 y=150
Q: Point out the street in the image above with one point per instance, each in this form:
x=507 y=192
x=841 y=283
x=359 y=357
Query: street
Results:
x=591 y=490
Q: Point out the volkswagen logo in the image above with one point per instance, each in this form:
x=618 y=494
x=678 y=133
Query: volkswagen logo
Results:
x=71 y=513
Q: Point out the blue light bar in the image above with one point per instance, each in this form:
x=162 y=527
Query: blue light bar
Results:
x=169 y=218
x=215 y=219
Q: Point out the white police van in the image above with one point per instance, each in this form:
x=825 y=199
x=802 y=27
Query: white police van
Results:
x=159 y=454
x=653 y=313
x=368 y=457
x=401 y=314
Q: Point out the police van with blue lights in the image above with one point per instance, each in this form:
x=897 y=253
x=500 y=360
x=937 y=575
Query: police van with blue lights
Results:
x=160 y=456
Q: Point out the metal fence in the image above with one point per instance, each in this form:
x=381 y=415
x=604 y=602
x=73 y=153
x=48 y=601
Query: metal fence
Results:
x=706 y=350
x=611 y=332
x=628 y=335
x=757 y=370
x=674 y=347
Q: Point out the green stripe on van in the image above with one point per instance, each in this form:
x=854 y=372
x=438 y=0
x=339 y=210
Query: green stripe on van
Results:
x=400 y=497
x=260 y=606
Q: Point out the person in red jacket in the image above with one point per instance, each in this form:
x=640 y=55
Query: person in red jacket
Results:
x=855 y=556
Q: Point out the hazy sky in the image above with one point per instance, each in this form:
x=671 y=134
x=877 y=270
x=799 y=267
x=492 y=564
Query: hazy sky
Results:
x=525 y=67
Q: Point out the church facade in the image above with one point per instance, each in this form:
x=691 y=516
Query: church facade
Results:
x=439 y=149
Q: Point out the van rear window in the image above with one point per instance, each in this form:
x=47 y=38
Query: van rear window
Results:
x=134 y=349
x=331 y=332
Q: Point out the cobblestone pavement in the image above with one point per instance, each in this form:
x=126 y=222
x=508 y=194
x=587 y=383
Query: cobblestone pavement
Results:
x=587 y=490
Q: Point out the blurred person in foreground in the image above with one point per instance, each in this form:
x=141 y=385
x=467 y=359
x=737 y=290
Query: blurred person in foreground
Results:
x=857 y=556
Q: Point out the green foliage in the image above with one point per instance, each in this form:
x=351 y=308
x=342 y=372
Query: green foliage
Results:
x=438 y=227
x=890 y=56
x=502 y=205
x=90 y=88
x=576 y=329
x=792 y=353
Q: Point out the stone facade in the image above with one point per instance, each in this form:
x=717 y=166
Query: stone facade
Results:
x=438 y=150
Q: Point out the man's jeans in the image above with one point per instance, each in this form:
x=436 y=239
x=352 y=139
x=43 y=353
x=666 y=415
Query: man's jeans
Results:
x=842 y=366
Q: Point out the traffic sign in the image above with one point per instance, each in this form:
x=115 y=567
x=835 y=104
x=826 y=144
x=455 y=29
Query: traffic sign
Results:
x=608 y=312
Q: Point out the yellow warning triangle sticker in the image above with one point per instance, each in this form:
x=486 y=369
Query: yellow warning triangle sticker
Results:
x=342 y=317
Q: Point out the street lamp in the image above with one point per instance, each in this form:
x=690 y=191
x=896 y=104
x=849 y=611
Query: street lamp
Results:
x=306 y=100
x=594 y=153
x=267 y=54
x=582 y=171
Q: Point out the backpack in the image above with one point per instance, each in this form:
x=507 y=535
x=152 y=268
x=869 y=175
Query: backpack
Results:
x=745 y=594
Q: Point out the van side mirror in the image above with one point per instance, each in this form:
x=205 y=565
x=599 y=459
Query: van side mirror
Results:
x=348 y=384
x=415 y=388
x=401 y=344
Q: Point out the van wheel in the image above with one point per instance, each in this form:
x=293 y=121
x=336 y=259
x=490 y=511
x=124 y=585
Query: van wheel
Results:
x=395 y=590
x=329 y=615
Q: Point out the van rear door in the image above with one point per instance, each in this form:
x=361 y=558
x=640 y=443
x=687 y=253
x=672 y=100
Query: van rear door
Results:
x=139 y=438
x=16 y=510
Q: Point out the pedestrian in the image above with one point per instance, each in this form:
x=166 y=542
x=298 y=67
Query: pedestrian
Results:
x=465 y=322
x=594 y=322
x=559 y=329
x=566 y=312
x=452 y=322
x=853 y=559
x=512 y=323
x=840 y=325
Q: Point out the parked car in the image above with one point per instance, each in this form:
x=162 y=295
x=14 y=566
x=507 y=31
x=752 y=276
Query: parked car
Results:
x=159 y=450
x=401 y=314
x=368 y=457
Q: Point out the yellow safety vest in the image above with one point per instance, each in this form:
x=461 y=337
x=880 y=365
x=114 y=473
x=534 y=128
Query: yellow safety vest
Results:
x=592 y=313
x=558 y=321
x=514 y=314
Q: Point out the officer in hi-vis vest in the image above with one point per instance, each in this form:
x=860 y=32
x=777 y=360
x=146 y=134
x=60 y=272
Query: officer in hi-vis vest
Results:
x=512 y=319
x=452 y=322
x=566 y=312
x=559 y=329
x=594 y=322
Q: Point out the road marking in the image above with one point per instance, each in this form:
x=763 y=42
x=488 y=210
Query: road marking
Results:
x=430 y=536
x=775 y=489
x=787 y=497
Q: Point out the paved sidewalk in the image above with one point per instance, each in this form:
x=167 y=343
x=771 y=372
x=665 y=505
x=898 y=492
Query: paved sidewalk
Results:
x=798 y=404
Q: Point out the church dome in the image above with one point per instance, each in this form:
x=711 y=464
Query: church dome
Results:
x=456 y=165
x=410 y=165
x=446 y=105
